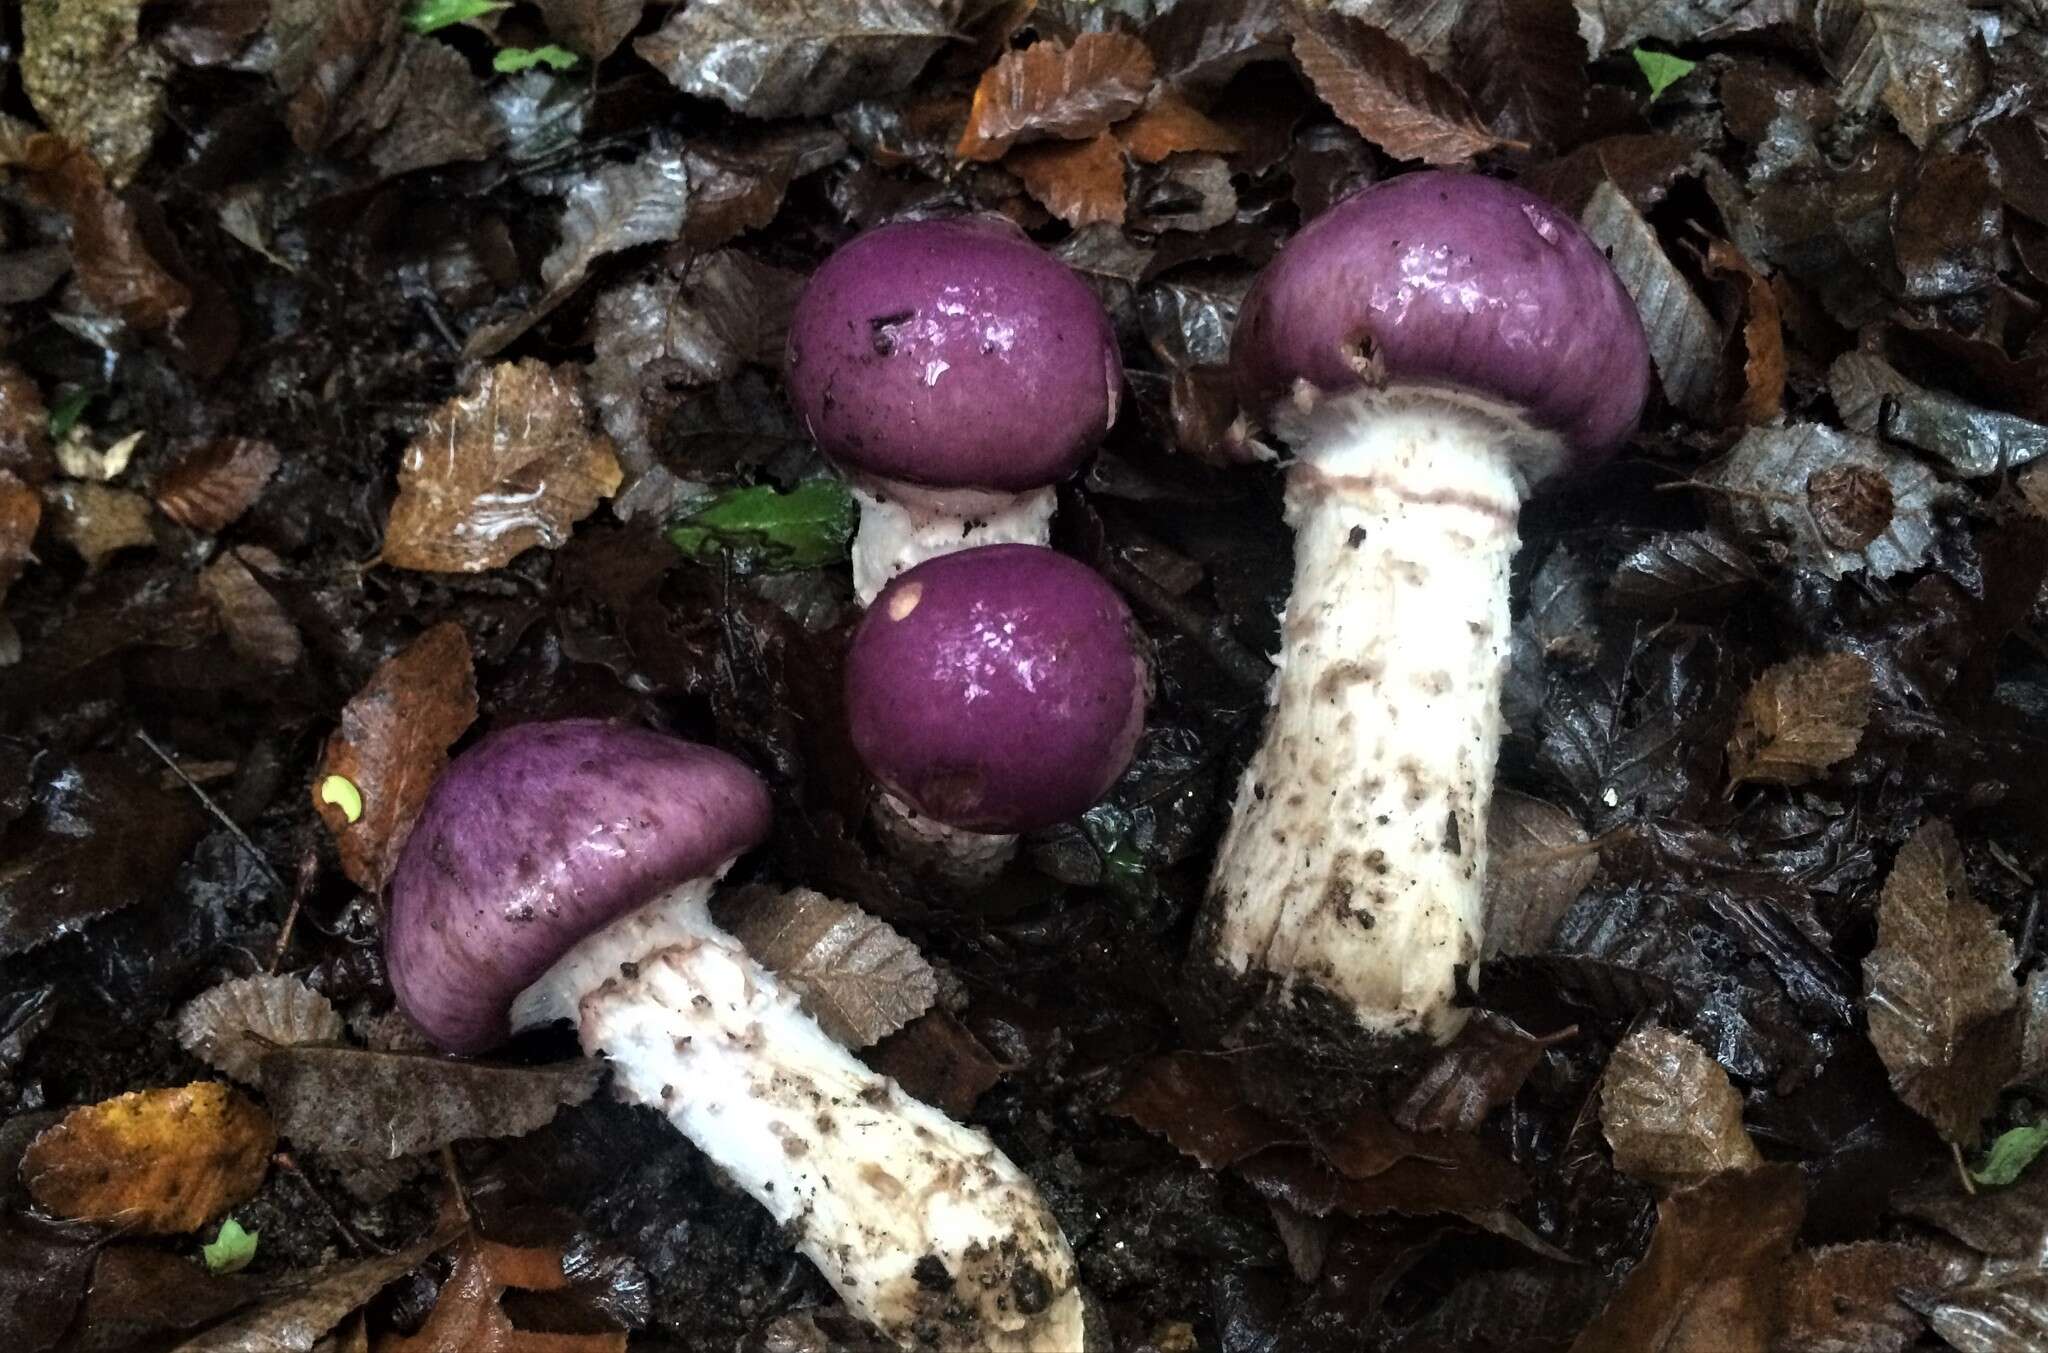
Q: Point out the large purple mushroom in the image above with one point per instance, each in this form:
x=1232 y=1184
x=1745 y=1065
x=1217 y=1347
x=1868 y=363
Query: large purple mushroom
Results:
x=997 y=690
x=562 y=871
x=955 y=372
x=1430 y=348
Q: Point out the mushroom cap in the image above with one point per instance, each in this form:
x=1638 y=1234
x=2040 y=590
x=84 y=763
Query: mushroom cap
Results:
x=953 y=353
x=1457 y=281
x=537 y=836
x=998 y=689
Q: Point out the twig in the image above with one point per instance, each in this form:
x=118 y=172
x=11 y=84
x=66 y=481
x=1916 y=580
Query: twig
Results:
x=285 y=1161
x=309 y=869
x=234 y=828
x=1963 y=1171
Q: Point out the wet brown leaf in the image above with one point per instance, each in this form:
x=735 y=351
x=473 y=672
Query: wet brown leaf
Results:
x=1457 y=1177
x=1920 y=60
x=779 y=58
x=1669 y=1112
x=1081 y=182
x=467 y=1316
x=1685 y=343
x=854 y=973
x=1851 y=505
x=1483 y=1068
x=1799 y=718
x=21 y=511
x=255 y=622
x=158 y=1161
x=1939 y=988
x=505 y=466
x=92 y=78
x=138 y=1292
x=1525 y=64
x=737 y=188
x=115 y=268
x=24 y=426
x=1540 y=860
x=1763 y=338
x=309 y=1303
x=1683 y=572
x=1845 y=1297
x=1053 y=90
x=593 y=27
x=392 y=743
x=1200 y=44
x=216 y=482
x=231 y=1026
x=99 y=522
x=1168 y=125
x=1196 y=1102
x=937 y=1059
x=1385 y=93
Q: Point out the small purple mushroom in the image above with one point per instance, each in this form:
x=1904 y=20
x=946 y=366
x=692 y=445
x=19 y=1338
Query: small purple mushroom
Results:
x=562 y=871
x=997 y=690
x=1430 y=348
x=955 y=372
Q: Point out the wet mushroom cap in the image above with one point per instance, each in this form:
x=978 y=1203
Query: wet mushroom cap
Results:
x=953 y=353
x=998 y=689
x=537 y=836
x=1452 y=280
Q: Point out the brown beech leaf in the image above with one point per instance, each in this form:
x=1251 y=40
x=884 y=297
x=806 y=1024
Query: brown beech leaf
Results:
x=114 y=267
x=1482 y=1068
x=1052 y=90
x=99 y=522
x=1845 y=1297
x=1200 y=44
x=1851 y=505
x=1539 y=861
x=593 y=27
x=1800 y=718
x=1939 y=988
x=1194 y=1101
x=307 y=1304
x=937 y=1059
x=159 y=1161
x=853 y=972
x=1684 y=572
x=1763 y=336
x=256 y=624
x=467 y=1315
x=1384 y=92
x=1081 y=182
x=1921 y=60
x=509 y=464
x=2033 y=483
x=216 y=482
x=21 y=511
x=1525 y=64
x=24 y=425
x=1168 y=125
x=1669 y=1112
x=392 y=743
x=93 y=78
x=783 y=58
x=231 y=1026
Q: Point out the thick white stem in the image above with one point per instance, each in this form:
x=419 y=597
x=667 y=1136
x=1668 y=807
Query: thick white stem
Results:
x=923 y=1227
x=902 y=525
x=1357 y=845
x=963 y=859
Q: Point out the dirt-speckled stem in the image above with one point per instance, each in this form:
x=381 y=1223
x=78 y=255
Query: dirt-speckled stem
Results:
x=921 y=1224
x=1357 y=845
x=902 y=525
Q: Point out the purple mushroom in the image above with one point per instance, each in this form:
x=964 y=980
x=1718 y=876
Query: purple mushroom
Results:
x=1430 y=348
x=956 y=373
x=562 y=871
x=993 y=691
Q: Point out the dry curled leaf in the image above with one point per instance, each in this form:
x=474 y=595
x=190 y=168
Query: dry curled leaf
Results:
x=1939 y=988
x=468 y=1317
x=507 y=465
x=1052 y=90
x=99 y=522
x=1168 y=125
x=778 y=58
x=1384 y=92
x=231 y=1026
x=392 y=744
x=1800 y=718
x=1669 y=1112
x=21 y=511
x=256 y=624
x=1539 y=861
x=159 y=1161
x=853 y=972
x=1763 y=336
x=216 y=482
x=1081 y=182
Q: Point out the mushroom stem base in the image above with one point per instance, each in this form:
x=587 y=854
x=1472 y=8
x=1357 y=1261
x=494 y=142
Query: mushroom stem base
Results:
x=902 y=525
x=1353 y=865
x=962 y=859
x=921 y=1224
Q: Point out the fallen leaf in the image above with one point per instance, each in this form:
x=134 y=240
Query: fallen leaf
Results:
x=139 y=1291
x=99 y=522
x=1168 y=125
x=1874 y=397
x=2033 y=482
x=231 y=1026
x=157 y=1161
x=1843 y=1298
x=24 y=426
x=392 y=743
x=739 y=187
x=1482 y=1068
x=508 y=465
x=93 y=79
x=43 y=1272
x=1685 y=343
x=1799 y=718
x=781 y=58
x=1539 y=861
x=467 y=1316
x=1385 y=93
x=21 y=511
x=256 y=624
x=308 y=1304
x=1939 y=988
x=1920 y=60
x=1525 y=64
x=1190 y=191
x=114 y=267
x=853 y=972
x=1851 y=505
x=216 y=482
x=937 y=1059
x=1685 y=572
x=1763 y=336
x=593 y=27
x=393 y=1104
x=1457 y=1177
x=1668 y=1110
x=79 y=458
x=1200 y=44
x=1052 y=90
x=1195 y=1101
x=1081 y=182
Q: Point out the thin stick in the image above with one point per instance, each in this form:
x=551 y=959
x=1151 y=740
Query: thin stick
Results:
x=309 y=869
x=234 y=828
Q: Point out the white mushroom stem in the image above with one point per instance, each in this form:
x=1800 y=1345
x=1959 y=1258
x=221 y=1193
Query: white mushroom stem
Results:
x=902 y=525
x=923 y=1227
x=961 y=858
x=1357 y=845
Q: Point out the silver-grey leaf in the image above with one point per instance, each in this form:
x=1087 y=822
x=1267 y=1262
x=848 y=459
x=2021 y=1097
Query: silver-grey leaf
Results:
x=1685 y=343
x=786 y=58
x=231 y=1026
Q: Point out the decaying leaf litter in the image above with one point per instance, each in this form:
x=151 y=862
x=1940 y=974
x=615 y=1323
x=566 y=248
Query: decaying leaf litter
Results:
x=293 y=294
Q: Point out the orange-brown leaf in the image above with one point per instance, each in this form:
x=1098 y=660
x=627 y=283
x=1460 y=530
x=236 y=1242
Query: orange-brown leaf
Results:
x=160 y=1161
x=392 y=743
x=1384 y=92
x=216 y=482
x=467 y=1316
x=21 y=511
x=1763 y=336
x=1168 y=124
x=115 y=268
x=255 y=622
x=1052 y=90
x=1081 y=182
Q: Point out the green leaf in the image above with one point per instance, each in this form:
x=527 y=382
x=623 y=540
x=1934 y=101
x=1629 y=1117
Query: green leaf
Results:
x=68 y=411
x=231 y=1250
x=511 y=59
x=1662 y=69
x=428 y=15
x=761 y=530
x=2010 y=1155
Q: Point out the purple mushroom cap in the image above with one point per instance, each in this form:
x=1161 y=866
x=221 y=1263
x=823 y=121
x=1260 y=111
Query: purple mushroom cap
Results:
x=953 y=353
x=537 y=836
x=1452 y=280
x=998 y=689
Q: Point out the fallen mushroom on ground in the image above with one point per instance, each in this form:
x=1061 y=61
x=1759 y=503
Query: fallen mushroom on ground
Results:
x=562 y=871
x=1430 y=348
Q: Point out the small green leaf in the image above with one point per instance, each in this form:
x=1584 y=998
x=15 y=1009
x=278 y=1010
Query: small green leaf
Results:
x=1662 y=69
x=511 y=59
x=2010 y=1155
x=761 y=530
x=231 y=1250
x=68 y=411
x=428 y=15
x=341 y=791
